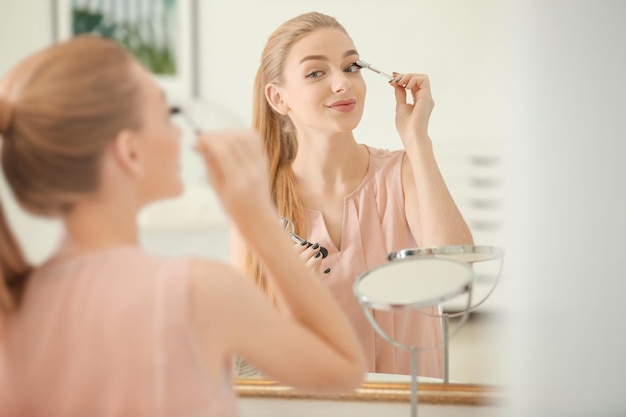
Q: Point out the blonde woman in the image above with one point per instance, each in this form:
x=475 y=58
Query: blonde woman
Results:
x=357 y=201
x=104 y=328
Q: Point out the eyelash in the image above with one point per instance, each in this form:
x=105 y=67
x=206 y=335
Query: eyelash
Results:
x=311 y=74
x=354 y=66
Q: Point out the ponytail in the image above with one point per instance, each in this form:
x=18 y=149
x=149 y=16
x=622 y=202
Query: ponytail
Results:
x=14 y=270
x=281 y=148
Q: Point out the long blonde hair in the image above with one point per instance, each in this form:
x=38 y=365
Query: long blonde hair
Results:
x=59 y=108
x=277 y=130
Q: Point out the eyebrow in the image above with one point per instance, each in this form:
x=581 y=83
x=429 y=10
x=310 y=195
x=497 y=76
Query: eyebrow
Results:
x=325 y=58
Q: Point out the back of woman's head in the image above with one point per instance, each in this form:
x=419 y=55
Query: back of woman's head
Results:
x=59 y=108
x=276 y=129
x=62 y=106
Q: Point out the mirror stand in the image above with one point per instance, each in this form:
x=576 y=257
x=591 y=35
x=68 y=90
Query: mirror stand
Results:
x=464 y=253
x=411 y=284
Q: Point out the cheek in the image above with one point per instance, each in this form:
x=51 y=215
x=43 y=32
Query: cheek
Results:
x=301 y=101
x=172 y=139
x=166 y=150
x=360 y=87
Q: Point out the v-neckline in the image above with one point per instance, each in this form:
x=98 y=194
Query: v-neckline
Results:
x=346 y=198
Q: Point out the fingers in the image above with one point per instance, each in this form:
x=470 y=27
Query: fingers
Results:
x=312 y=256
x=400 y=94
x=416 y=83
x=232 y=154
x=315 y=259
x=238 y=147
x=410 y=81
x=203 y=148
x=307 y=250
x=237 y=168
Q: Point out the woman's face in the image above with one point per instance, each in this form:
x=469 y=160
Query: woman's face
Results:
x=322 y=87
x=159 y=141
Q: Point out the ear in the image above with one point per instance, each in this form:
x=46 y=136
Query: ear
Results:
x=126 y=152
x=276 y=99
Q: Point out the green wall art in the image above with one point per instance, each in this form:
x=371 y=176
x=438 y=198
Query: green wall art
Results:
x=158 y=33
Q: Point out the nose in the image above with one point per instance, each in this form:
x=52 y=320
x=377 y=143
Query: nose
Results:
x=341 y=83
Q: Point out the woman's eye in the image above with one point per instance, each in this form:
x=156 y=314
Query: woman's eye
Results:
x=353 y=68
x=314 y=74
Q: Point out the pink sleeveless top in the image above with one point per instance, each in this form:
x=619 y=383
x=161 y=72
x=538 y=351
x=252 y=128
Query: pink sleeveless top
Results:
x=108 y=334
x=375 y=224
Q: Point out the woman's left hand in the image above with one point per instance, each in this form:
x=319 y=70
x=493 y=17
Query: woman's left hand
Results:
x=412 y=118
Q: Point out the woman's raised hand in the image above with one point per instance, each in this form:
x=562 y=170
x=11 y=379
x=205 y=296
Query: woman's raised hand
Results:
x=412 y=118
x=237 y=168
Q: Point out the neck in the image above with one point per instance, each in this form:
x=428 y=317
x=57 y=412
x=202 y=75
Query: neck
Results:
x=97 y=223
x=329 y=159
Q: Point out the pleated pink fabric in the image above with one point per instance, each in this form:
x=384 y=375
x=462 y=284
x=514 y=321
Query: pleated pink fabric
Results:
x=374 y=224
x=108 y=334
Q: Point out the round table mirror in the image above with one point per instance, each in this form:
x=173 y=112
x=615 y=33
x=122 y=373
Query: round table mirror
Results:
x=413 y=283
x=470 y=254
x=479 y=257
x=410 y=284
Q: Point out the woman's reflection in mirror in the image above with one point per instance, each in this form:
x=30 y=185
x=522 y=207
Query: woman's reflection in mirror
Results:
x=358 y=201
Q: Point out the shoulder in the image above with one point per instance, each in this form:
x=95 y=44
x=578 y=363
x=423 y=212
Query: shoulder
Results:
x=380 y=154
x=214 y=285
x=113 y=264
x=224 y=307
x=384 y=160
x=150 y=265
x=385 y=166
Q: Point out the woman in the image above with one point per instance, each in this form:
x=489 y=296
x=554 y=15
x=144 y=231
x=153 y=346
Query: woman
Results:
x=104 y=328
x=358 y=202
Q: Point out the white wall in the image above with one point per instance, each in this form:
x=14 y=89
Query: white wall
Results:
x=458 y=43
x=25 y=27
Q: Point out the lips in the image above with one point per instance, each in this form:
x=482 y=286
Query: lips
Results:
x=343 y=105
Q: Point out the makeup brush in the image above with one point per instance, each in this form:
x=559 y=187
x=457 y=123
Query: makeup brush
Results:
x=365 y=64
x=177 y=110
x=288 y=225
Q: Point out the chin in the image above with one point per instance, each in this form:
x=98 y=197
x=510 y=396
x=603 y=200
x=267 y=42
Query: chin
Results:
x=346 y=127
x=350 y=124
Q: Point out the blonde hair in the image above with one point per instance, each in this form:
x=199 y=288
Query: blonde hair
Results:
x=59 y=108
x=276 y=129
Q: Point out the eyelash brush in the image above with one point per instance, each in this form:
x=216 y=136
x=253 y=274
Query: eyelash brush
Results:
x=366 y=65
x=176 y=110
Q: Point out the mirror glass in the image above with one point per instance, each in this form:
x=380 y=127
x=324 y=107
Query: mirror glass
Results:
x=456 y=44
x=461 y=46
x=413 y=283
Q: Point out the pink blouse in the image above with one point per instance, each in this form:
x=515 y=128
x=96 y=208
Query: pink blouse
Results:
x=375 y=224
x=108 y=334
